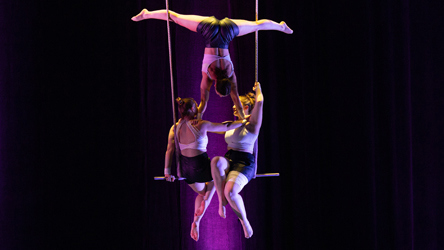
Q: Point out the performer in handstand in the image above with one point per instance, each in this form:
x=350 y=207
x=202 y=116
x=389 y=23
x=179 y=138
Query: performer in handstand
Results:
x=217 y=65
x=194 y=161
x=234 y=170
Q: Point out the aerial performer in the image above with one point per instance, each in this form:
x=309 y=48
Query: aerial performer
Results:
x=194 y=161
x=217 y=66
x=234 y=170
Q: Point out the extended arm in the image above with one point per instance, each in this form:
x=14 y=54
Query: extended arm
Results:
x=169 y=154
x=205 y=87
x=206 y=126
x=235 y=96
x=255 y=122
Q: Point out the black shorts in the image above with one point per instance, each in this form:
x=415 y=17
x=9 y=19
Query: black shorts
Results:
x=242 y=162
x=217 y=33
x=196 y=169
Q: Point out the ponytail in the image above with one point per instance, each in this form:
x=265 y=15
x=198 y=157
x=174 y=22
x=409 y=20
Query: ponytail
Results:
x=187 y=107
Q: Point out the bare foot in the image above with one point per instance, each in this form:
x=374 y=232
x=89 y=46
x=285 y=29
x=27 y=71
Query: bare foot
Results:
x=248 y=230
x=286 y=28
x=195 y=225
x=222 y=211
x=195 y=231
x=141 y=16
x=201 y=209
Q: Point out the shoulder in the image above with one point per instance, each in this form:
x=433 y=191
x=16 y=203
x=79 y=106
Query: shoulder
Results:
x=177 y=124
x=233 y=78
x=206 y=81
x=172 y=127
x=204 y=125
x=200 y=123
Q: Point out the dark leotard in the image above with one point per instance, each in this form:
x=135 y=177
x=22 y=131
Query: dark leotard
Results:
x=196 y=169
x=217 y=33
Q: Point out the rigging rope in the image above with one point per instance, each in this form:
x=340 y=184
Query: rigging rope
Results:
x=172 y=91
x=256 y=61
x=256 y=69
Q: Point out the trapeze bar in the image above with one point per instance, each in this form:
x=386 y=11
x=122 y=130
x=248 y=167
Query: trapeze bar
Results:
x=267 y=175
x=159 y=178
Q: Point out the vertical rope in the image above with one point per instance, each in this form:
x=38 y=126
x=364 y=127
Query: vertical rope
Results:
x=171 y=63
x=176 y=140
x=256 y=45
x=172 y=91
x=256 y=69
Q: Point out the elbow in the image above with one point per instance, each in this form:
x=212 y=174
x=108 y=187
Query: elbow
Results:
x=203 y=99
x=259 y=102
x=170 y=150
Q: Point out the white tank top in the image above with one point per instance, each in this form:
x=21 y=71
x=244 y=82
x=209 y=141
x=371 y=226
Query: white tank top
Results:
x=240 y=139
x=201 y=140
x=210 y=58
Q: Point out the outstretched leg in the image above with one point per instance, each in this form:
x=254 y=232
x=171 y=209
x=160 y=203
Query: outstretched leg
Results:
x=188 y=21
x=237 y=204
x=205 y=192
x=218 y=166
x=246 y=27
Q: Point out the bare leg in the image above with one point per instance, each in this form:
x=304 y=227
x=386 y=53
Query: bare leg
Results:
x=218 y=166
x=188 y=21
x=205 y=192
x=237 y=204
x=246 y=27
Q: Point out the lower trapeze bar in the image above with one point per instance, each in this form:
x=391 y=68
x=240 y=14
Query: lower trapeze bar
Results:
x=159 y=178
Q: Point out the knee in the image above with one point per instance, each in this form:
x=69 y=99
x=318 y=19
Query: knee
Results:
x=202 y=192
x=229 y=194
x=264 y=23
x=217 y=164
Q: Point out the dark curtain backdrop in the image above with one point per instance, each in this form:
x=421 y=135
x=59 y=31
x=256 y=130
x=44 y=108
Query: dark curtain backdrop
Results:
x=353 y=122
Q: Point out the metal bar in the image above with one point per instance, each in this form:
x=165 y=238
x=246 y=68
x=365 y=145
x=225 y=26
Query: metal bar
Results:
x=160 y=178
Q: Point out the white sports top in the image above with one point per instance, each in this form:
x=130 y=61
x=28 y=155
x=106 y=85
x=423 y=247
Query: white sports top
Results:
x=201 y=140
x=210 y=58
x=240 y=139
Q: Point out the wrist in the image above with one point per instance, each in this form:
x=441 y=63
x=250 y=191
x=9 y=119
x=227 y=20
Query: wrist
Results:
x=167 y=171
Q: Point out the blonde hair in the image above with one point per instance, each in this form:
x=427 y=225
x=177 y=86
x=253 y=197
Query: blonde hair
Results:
x=248 y=100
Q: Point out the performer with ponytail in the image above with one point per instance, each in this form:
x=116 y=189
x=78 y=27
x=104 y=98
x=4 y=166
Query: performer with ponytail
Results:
x=195 y=163
x=217 y=66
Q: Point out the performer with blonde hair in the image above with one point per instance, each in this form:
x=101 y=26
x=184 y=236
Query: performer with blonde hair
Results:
x=234 y=170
